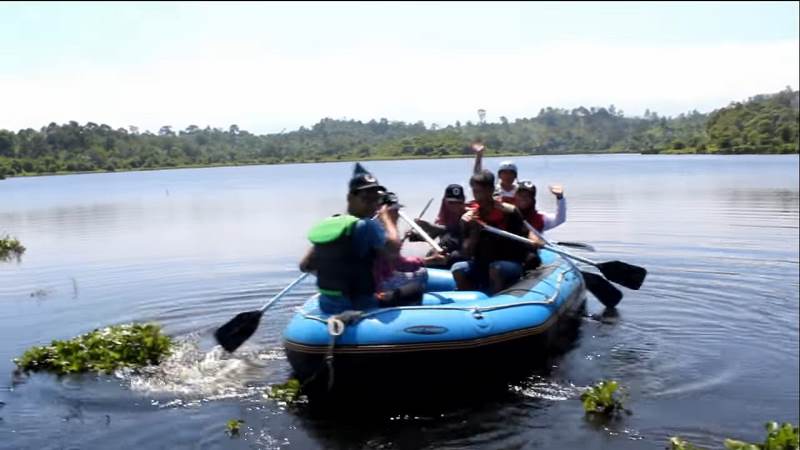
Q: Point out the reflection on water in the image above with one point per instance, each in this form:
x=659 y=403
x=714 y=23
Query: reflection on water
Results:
x=707 y=349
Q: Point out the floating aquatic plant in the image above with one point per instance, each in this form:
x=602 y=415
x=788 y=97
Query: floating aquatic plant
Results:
x=288 y=392
x=232 y=427
x=10 y=248
x=103 y=351
x=783 y=437
x=600 y=399
x=676 y=443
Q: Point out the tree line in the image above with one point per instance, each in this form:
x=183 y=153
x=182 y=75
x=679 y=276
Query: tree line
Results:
x=761 y=124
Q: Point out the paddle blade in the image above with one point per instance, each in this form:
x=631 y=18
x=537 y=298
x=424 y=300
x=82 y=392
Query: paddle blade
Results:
x=622 y=273
x=578 y=245
x=233 y=334
x=608 y=295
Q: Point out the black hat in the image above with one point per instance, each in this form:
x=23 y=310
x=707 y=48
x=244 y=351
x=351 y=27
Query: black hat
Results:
x=390 y=199
x=454 y=192
x=362 y=179
x=527 y=185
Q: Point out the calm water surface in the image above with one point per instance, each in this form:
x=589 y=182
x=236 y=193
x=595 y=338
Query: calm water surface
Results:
x=707 y=349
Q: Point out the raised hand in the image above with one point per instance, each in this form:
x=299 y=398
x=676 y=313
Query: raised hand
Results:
x=557 y=190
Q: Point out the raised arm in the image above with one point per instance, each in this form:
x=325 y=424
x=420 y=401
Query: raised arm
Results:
x=550 y=220
x=478 y=147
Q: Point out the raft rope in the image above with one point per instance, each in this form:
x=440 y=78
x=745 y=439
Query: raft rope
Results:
x=336 y=326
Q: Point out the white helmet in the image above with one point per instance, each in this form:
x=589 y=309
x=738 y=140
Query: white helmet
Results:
x=507 y=165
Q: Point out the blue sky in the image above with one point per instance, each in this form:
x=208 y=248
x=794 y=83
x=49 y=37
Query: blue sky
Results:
x=270 y=66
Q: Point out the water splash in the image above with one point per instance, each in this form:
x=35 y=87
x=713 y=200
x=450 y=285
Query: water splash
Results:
x=195 y=375
x=539 y=387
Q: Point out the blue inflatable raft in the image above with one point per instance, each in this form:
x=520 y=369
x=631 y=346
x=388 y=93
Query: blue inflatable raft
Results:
x=450 y=333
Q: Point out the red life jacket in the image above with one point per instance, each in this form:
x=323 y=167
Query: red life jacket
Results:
x=496 y=218
x=536 y=219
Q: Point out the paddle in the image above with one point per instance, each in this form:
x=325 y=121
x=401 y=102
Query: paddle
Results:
x=419 y=217
x=427 y=205
x=420 y=231
x=233 y=334
x=619 y=272
x=608 y=295
x=579 y=245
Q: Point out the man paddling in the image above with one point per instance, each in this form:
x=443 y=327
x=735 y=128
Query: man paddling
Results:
x=495 y=262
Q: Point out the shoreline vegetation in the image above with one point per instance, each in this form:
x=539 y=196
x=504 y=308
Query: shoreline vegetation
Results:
x=763 y=124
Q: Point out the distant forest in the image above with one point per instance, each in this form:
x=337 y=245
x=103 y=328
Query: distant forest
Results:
x=762 y=124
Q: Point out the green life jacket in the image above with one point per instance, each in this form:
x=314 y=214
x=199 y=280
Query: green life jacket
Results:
x=340 y=271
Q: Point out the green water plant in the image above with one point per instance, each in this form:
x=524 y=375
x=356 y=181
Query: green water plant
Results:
x=288 y=392
x=232 y=427
x=601 y=399
x=783 y=437
x=676 y=443
x=10 y=248
x=102 y=351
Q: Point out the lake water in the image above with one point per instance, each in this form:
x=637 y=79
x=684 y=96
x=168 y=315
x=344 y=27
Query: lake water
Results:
x=707 y=349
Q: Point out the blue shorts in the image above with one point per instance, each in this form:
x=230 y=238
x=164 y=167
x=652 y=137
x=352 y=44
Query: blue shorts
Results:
x=509 y=271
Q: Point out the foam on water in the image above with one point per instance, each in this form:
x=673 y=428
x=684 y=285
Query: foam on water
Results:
x=194 y=374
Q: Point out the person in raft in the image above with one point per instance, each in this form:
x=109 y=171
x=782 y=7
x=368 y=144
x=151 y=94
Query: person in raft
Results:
x=507 y=184
x=346 y=246
x=525 y=200
x=447 y=227
x=495 y=262
x=401 y=280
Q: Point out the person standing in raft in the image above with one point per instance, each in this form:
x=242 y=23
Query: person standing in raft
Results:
x=495 y=262
x=346 y=246
x=507 y=173
x=525 y=201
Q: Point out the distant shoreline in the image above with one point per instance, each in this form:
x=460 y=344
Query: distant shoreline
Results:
x=381 y=158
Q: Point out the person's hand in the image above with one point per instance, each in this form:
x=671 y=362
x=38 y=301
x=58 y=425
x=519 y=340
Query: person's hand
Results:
x=383 y=213
x=436 y=258
x=384 y=296
x=468 y=216
x=537 y=242
x=477 y=147
x=557 y=190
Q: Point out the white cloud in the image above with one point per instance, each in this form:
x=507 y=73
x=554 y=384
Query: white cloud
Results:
x=265 y=92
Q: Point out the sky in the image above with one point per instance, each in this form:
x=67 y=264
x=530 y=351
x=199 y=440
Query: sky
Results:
x=269 y=67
